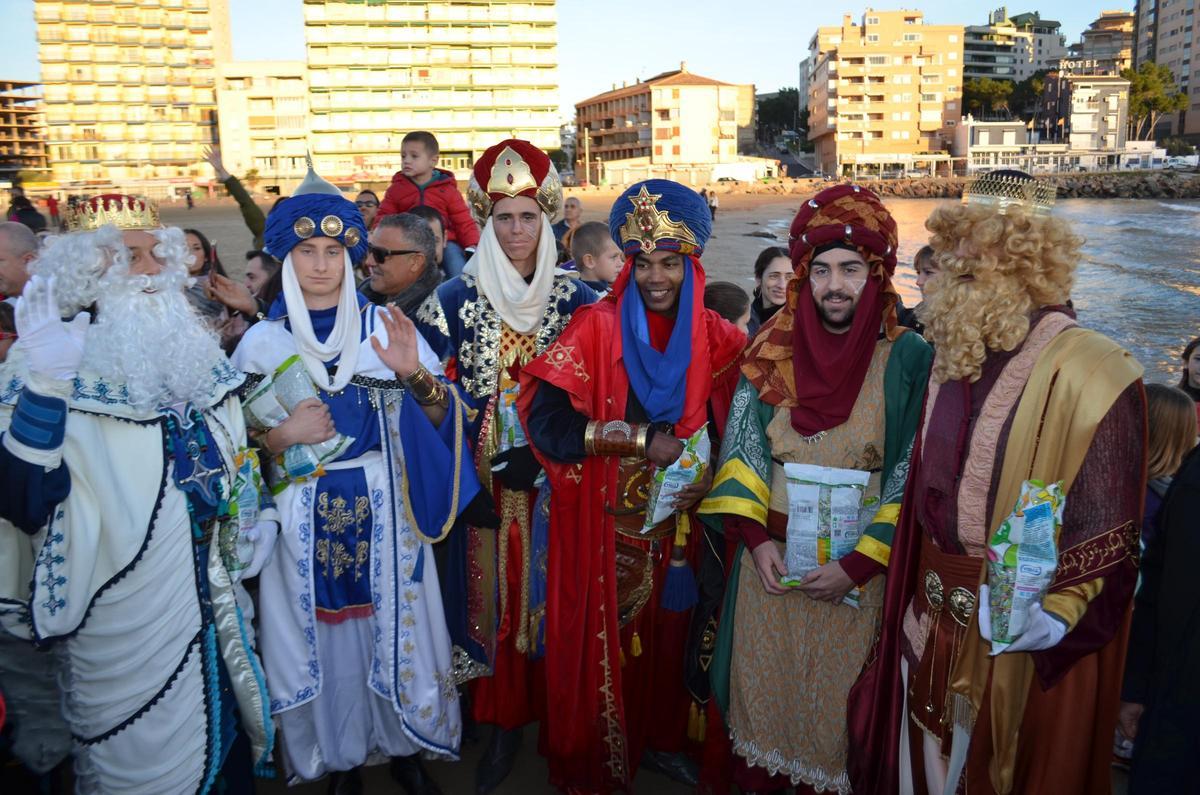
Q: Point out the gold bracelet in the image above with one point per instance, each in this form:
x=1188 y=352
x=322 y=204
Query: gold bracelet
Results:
x=427 y=390
x=589 y=437
x=642 y=437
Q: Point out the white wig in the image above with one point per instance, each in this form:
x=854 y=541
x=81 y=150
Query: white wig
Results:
x=80 y=260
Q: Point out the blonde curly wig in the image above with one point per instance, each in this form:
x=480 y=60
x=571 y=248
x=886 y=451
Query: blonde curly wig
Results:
x=995 y=271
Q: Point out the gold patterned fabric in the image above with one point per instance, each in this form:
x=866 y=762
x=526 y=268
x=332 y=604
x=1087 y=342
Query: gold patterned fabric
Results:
x=794 y=658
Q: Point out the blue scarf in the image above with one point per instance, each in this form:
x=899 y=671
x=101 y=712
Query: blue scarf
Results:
x=658 y=379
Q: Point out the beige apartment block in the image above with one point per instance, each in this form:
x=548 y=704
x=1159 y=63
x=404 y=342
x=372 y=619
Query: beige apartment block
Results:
x=884 y=93
x=129 y=90
x=262 y=110
x=1109 y=42
x=1013 y=48
x=675 y=122
x=1166 y=34
x=472 y=73
x=22 y=133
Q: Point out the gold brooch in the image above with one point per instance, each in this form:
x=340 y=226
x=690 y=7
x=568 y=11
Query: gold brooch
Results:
x=304 y=227
x=647 y=224
x=352 y=237
x=331 y=226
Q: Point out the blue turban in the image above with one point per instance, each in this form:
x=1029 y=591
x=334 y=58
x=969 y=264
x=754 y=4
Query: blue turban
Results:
x=660 y=214
x=306 y=215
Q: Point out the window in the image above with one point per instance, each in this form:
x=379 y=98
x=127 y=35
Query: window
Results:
x=912 y=36
x=953 y=38
x=934 y=97
x=872 y=37
x=877 y=60
x=872 y=20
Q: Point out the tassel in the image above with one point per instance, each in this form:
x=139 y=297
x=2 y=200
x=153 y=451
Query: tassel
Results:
x=702 y=726
x=622 y=651
x=680 y=591
x=419 y=567
x=683 y=527
x=635 y=646
x=693 y=730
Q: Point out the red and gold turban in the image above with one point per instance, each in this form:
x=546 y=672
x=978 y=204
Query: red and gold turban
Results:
x=513 y=168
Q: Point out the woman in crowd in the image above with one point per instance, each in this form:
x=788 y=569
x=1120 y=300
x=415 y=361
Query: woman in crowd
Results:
x=204 y=262
x=1172 y=425
x=772 y=272
x=1160 y=697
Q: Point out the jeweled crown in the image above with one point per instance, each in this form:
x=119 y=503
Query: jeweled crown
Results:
x=647 y=224
x=123 y=212
x=1009 y=188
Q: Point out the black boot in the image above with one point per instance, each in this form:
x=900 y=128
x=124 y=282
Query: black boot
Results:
x=345 y=782
x=498 y=760
x=412 y=776
x=677 y=767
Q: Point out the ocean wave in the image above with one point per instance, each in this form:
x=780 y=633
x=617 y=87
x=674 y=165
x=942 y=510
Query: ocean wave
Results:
x=1187 y=208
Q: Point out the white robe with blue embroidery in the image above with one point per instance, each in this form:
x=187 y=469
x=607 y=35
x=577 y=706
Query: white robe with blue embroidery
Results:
x=406 y=662
x=112 y=575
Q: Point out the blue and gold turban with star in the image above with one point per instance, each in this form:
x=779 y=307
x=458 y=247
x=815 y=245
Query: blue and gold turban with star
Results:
x=316 y=209
x=659 y=214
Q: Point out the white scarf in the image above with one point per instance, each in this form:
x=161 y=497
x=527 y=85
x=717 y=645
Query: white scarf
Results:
x=522 y=306
x=343 y=341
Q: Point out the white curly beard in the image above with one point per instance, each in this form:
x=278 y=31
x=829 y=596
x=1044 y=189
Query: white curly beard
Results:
x=148 y=337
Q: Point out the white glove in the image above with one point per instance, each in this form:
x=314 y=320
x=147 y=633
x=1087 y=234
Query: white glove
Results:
x=54 y=348
x=263 y=536
x=1042 y=630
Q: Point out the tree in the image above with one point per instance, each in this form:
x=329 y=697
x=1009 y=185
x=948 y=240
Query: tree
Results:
x=778 y=113
x=1027 y=94
x=251 y=178
x=1152 y=93
x=985 y=95
x=1177 y=147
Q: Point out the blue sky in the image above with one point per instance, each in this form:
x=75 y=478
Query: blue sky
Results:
x=602 y=43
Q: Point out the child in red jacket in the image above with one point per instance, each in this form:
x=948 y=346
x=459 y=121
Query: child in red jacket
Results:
x=419 y=182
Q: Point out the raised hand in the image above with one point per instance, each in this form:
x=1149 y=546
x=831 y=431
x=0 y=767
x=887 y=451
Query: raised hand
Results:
x=234 y=295
x=54 y=348
x=213 y=155
x=401 y=354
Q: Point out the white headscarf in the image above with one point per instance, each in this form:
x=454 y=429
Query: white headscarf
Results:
x=343 y=341
x=522 y=306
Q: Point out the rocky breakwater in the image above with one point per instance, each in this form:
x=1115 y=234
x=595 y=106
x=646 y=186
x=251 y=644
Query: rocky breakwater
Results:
x=1093 y=185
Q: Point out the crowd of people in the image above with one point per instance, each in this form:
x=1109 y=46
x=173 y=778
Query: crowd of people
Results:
x=437 y=463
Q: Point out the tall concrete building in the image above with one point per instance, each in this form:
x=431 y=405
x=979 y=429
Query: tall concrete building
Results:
x=22 y=134
x=1109 y=42
x=1048 y=45
x=675 y=122
x=262 y=110
x=1011 y=48
x=472 y=73
x=129 y=90
x=884 y=93
x=1165 y=34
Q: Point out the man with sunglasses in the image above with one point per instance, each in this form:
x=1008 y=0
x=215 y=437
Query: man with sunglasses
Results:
x=401 y=263
x=368 y=204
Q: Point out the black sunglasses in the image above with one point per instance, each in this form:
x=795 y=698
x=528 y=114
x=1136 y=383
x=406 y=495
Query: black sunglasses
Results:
x=381 y=254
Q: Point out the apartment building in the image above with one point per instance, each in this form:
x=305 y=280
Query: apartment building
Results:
x=1048 y=46
x=1088 y=112
x=472 y=73
x=1165 y=34
x=1108 y=42
x=262 y=111
x=884 y=92
x=22 y=135
x=129 y=89
x=673 y=124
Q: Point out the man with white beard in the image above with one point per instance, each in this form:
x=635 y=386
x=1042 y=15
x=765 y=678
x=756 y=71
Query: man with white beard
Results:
x=123 y=459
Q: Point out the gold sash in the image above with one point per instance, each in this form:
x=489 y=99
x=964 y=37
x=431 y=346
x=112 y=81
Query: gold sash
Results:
x=1077 y=379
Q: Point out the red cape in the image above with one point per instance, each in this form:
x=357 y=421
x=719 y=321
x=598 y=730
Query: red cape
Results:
x=586 y=731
